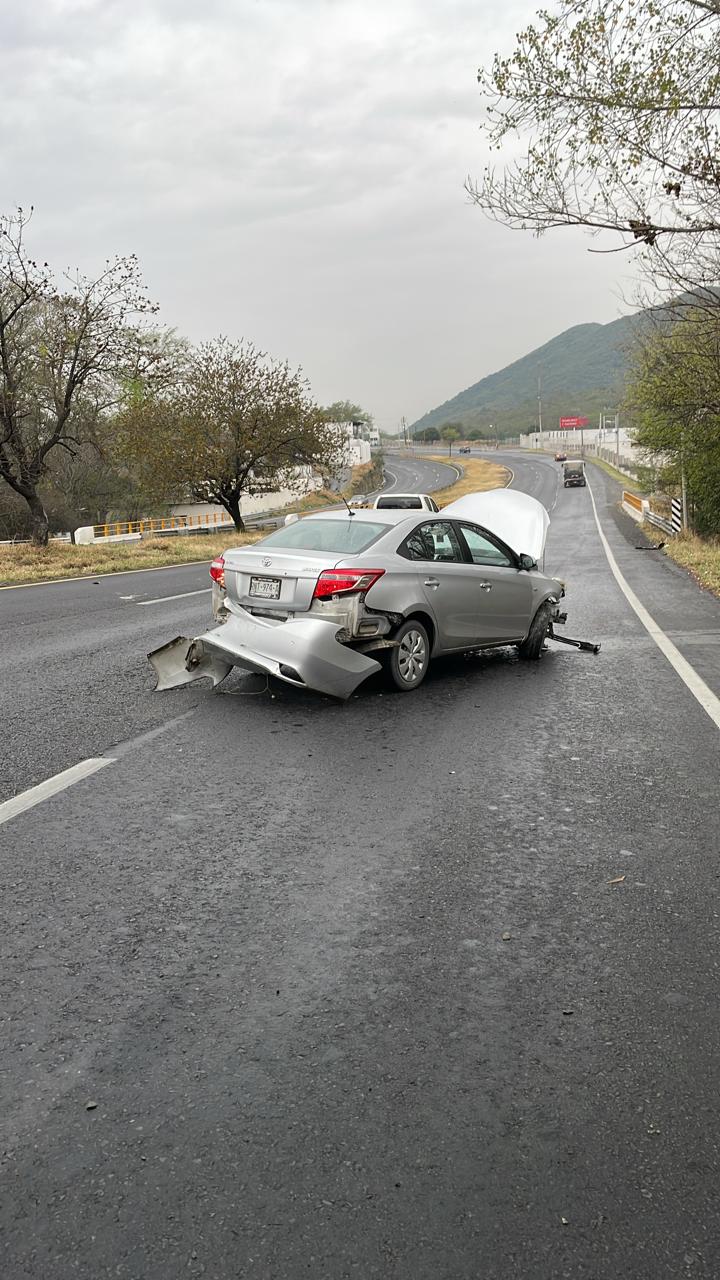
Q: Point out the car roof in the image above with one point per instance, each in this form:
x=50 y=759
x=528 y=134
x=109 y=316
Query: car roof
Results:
x=377 y=515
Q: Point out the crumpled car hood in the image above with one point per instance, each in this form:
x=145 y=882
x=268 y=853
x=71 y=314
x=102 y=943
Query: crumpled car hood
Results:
x=519 y=520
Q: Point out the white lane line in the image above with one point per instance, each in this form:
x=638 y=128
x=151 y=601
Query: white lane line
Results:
x=44 y=790
x=182 y=596
x=697 y=686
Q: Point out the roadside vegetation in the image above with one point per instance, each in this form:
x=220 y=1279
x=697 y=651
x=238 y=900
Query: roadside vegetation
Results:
x=106 y=416
x=477 y=477
x=365 y=479
x=637 y=482
x=614 y=105
x=23 y=563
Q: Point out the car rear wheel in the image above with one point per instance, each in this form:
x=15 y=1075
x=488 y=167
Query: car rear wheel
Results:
x=408 y=659
x=532 y=645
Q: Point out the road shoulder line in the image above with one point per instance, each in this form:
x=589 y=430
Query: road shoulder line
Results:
x=52 y=786
x=702 y=692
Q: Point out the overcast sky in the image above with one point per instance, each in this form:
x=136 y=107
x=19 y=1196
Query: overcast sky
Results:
x=291 y=172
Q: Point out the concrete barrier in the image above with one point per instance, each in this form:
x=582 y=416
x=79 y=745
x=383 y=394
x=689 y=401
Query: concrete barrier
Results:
x=635 y=506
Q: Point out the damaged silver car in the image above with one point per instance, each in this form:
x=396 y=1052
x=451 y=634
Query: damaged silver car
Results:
x=326 y=601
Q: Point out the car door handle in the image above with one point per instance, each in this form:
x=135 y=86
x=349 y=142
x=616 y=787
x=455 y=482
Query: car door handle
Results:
x=486 y=586
x=432 y=582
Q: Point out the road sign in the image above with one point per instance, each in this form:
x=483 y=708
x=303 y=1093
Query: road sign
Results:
x=567 y=424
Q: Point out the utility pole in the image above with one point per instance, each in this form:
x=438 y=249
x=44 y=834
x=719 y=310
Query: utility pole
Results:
x=539 y=400
x=617 y=441
x=404 y=429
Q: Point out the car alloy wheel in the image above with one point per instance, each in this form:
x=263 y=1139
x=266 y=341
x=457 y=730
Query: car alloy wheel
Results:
x=409 y=659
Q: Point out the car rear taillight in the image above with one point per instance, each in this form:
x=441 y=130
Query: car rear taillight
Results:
x=217 y=570
x=338 y=582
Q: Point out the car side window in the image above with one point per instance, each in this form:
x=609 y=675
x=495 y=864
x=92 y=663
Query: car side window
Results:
x=482 y=550
x=434 y=540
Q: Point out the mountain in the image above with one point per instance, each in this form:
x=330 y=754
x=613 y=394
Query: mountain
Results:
x=581 y=369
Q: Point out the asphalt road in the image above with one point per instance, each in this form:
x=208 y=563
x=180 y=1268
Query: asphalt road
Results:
x=418 y=987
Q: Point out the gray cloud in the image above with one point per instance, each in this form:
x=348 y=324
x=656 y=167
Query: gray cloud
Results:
x=291 y=171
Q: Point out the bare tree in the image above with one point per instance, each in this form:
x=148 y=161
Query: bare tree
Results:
x=614 y=105
x=64 y=353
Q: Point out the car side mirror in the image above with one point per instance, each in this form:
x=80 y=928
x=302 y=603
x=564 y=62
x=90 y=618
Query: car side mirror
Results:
x=527 y=562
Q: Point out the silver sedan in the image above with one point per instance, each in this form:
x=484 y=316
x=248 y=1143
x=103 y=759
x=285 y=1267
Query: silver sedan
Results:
x=325 y=601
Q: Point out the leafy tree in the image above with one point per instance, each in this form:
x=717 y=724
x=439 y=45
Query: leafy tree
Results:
x=615 y=103
x=674 y=397
x=346 y=411
x=429 y=435
x=63 y=351
x=234 y=423
x=449 y=434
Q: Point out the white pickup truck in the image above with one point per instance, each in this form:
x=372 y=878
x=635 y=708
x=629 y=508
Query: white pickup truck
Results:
x=405 y=502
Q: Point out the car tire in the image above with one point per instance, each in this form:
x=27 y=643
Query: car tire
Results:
x=532 y=645
x=408 y=660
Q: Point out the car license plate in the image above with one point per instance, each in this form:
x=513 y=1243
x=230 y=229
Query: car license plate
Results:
x=268 y=588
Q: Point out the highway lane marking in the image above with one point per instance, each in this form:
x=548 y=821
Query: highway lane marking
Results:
x=695 y=683
x=52 y=786
x=182 y=595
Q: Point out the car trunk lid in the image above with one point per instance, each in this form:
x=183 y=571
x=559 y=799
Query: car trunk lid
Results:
x=278 y=583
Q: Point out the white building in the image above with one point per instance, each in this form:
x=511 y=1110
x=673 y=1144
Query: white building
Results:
x=355 y=448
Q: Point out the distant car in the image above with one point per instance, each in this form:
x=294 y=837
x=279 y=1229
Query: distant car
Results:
x=560 y=456
x=574 y=474
x=327 y=601
x=465 y=448
x=405 y=502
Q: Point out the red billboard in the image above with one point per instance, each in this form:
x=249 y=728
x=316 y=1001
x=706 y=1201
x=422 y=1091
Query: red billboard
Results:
x=568 y=424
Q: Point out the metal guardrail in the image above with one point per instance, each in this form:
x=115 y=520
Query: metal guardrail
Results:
x=161 y=524
x=660 y=521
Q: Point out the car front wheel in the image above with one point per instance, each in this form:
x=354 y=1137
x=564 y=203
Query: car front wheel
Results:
x=408 y=659
x=532 y=645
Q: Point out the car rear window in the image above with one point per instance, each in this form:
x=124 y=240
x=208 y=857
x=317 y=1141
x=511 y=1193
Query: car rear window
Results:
x=399 y=504
x=344 y=535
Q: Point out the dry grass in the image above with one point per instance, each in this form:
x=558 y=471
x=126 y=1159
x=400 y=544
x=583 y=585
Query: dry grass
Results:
x=701 y=558
x=24 y=563
x=627 y=482
x=478 y=476
x=362 y=477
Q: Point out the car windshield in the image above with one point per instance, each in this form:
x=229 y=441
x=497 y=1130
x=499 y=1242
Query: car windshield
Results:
x=343 y=535
x=409 y=503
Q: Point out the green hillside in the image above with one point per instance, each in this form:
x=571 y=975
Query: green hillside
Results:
x=582 y=371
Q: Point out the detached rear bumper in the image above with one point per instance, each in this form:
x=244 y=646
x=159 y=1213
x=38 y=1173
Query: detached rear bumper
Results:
x=304 y=653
